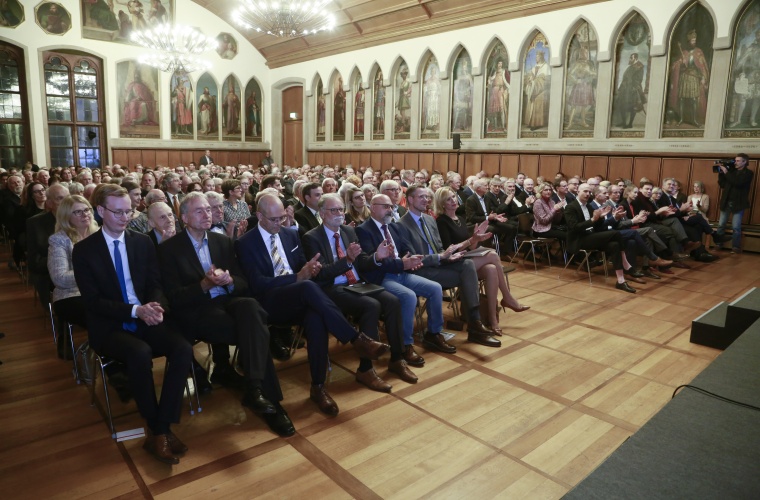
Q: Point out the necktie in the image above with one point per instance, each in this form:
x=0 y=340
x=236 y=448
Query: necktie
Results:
x=130 y=325
x=279 y=265
x=339 y=251
x=386 y=233
x=176 y=205
x=428 y=236
x=319 y=219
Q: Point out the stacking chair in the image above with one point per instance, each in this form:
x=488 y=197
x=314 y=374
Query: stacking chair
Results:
x=586 y=255
x=525 y=240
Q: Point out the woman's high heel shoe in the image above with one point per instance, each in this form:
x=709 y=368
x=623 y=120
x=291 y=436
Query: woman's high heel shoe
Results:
x=518 y=309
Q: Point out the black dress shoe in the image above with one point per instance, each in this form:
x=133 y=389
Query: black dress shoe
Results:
x=279 y=350
x=436 y=342
x=226 y=376
x=649 y=274
x=255 y=400
x=280 y=422
x=625 y=287
x=478 y=328
x=483 y=339
x=706 y=257
x=633 y=273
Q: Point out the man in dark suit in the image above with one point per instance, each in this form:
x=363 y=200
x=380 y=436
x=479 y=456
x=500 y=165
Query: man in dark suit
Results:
x=206 y=159
x=392 y=190
x=512 y=207
x=172 y=186
x=495 y=195
x=308 y=217
x=208 y=295
x=445 y=266
x=161 y=222
x=118 y=276
x=528 y=195
x=561 y=191
x=342 y=263
x=586 y=229
x=280 y=279
x=477 y=210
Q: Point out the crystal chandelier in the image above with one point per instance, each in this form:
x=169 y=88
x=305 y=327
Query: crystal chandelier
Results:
x=174 y=47
x=284 y=18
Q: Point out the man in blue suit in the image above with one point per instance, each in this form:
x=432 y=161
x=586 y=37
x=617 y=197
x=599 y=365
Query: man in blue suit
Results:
x=280 y=278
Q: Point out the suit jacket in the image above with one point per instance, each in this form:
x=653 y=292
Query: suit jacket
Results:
x=493 y=201
x=370 y=238
x=570 y=197
x=182 y=272
x=511 y=209
x=577 y=224
x=316 y=242
x=205 y=160
x=97 y=281
x=417 y=239
x=38 y=229
x=257 y=265
x=306 y=220
x=474 y=210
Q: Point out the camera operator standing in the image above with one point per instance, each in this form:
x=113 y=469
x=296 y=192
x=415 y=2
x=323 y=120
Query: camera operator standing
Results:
x=735 y=183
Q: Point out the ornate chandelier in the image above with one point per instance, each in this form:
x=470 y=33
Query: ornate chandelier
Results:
x=174 y=47
x=284 y=18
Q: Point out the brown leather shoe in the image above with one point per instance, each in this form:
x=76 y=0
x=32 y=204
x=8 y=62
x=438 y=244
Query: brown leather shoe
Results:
x=411 y=357
x=325 y=403
x=436 y=342
x=177 y=446
x=478 y=328
x=371 y=379
x=368 y=348
x=158 y=446
x=402 y=370
x=660 y=262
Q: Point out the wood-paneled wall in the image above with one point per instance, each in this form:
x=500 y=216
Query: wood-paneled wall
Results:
x=634 y=167
x=172 y=157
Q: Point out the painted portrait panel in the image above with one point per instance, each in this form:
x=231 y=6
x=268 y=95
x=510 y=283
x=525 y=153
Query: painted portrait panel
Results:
x=227 y=46
x=208 y=109
x=430 y=118
x=378 y=107
x=536 y=87
x=742 y=117
x=462 y=96
x=11 y=13
x=321 y=114
x=232 y=105
x=580 y=83
x=53 y=18
x=359 y=106
x=138 y=100
x=114 y=20
x=497 y=83
x=689 y=66
x=253 y=106
x=631 y=89
x=339 y=108
x=181 y=89
x=402 y=103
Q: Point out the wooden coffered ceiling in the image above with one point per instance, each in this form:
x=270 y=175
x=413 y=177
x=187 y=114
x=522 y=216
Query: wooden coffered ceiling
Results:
x=365 y=23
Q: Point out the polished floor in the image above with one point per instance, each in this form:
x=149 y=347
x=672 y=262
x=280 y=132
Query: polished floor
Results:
x=576 y=375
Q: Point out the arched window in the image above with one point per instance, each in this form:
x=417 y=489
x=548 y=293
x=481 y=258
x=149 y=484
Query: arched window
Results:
x=15 y=143
x=75 y=109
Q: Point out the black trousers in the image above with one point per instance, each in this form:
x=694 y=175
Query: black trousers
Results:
x=71 y=310
x=460 y=273
x=137 y=350
x=609 y=242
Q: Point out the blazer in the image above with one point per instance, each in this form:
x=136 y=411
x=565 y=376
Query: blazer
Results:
x=316 y=242
x=577 y=224
x=370 y=238
x=205 y=160
x=417 y=239
x=182 y=272
x=61 y=267
x=256 y=263
x=97 y=281
x=306 y=220
x=474 y=210
x=38 y=229
x=493 y=201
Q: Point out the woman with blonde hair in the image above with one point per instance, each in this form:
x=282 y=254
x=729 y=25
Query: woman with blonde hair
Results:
x=453 y=229
x=356 y=203
x=700 y=200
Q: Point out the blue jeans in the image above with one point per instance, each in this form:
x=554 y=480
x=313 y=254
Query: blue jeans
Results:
x=407 y=287
x=736 y=225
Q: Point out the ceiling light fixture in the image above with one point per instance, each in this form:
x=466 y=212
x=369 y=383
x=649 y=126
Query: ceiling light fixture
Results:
x=174 y=47
x=284 y=18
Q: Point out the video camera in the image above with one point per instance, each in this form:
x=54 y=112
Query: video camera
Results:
x=729 y=164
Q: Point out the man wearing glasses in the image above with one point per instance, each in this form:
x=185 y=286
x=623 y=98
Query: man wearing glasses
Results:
x=392 y=190
x=280 y=278
x=118 y=276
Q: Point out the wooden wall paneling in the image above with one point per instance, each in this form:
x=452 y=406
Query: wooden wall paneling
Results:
x=149 y=158
x=134 y=157
x=175 y=158
x=120 y=156
x=345 y=158
x=754 y=193
x=598 y=165
x=678 y=168
x=572 y=165
x=426 y=161
x=548 y=166
x=162 y=158
x=386 y=160
x=529 y=165
x=399 y=160
x=235 y=158
x=646 y=167
x=441 y=162
x=473 y=163
x=319 y=158
x=375 y=160
x=490 y=163
x=509 y=165
x=618 y=168
x=412 y=161
x=365 y=158
x=355 y=159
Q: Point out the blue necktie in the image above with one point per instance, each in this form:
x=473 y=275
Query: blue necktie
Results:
x=131 y=325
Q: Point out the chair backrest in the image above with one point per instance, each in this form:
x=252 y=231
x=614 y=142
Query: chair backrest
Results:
x=525 y=224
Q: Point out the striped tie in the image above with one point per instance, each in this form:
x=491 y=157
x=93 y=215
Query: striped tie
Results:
x=279 y=265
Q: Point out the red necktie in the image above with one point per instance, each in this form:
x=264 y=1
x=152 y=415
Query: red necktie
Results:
x=339 y=251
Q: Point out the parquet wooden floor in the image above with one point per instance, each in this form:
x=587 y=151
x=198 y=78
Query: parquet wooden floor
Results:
x=576 y=375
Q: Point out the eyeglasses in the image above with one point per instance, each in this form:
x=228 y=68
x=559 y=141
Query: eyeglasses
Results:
x=384 y=205
x=38 y=191
x=395 y=190
x=120 y=213
x=336 y=210
x=80 y=213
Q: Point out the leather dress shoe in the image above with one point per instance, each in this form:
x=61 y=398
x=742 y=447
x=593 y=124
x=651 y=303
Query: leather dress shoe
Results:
x=280 y=422
x=649 y=274
x=625 y=287
x=483 y=339
x=634 y=273
x=369 y=348
x=477 y=327
x=371 y=379
x=278 y=349
x=660 y=262
x=666 y=270
x=159 y=447
x=401 y=369
x=254 y=399
x=635 y=276
x=706 y=257
x=325 y=403
x=411 y=357
x=177 y=446
x=436 y=342
x=226 y=376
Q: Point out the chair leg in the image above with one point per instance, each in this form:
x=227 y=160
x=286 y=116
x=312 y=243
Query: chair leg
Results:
x=105 y=391
x=52 y=323
x=70 y=332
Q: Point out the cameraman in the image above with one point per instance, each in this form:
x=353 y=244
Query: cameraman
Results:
x=735 y=183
